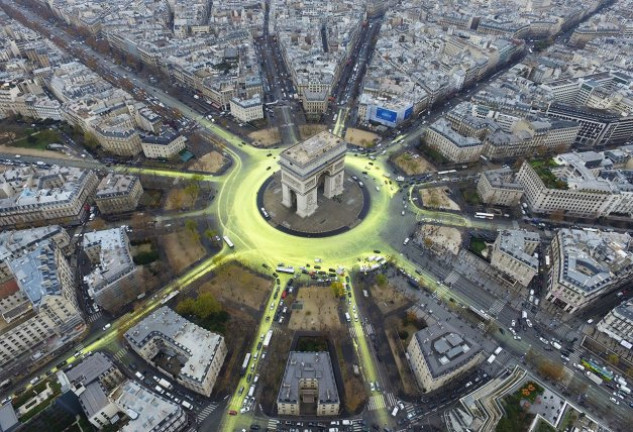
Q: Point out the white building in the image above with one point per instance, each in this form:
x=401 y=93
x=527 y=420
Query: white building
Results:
x=618 y=324
x=246 y=110
x=585 y=265
x=513 y=254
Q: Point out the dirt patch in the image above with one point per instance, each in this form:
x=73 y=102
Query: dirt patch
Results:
x=319 y=311
x=437 y=198
x=233 y=282
x=34 y=152
x=412 y=163
x=178 y=199
x=141 y=248
x=397 y=347
x=306 y=131
x=210 y=162
x=265 y=137
x=361 y=137
x=182 y=250
x=387 y=298
x=440 y=238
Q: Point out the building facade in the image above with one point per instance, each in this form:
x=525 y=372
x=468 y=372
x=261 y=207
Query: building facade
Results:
x=118 y=193
x=247 y=110
x=499 y=187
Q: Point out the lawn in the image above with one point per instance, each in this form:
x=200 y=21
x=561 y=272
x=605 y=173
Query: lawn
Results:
x=37 y=140
x=182 y=249
x=517 y=418
x=477 y=246
x=544 y=171
x=412 y=163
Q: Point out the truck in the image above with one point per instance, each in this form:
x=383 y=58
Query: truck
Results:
x=365 y=293
x=158 y=389
x=251 y=391
x=139 y=375
x=556 y=345
x=347 y=317
x=267 y=339
x=395 y=411
x=491 y=359
x=498 y=351
x=187 y=405
x=593 y=377
x=165 y=384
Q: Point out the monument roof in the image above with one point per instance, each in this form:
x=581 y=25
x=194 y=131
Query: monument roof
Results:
x=312 y=148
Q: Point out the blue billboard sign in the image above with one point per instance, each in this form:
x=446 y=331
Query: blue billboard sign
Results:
x=408 y=112
x=386 y=115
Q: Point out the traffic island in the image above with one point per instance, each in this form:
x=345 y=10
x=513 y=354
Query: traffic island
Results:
x=332 y=216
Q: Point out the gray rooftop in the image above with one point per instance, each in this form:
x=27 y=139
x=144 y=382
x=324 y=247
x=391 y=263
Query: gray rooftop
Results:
x=592 y=260
x=443 y=127
x=8 y=419
x=36 y=273
x=148 y=411
x=515 y=244
x=625 y=310
x=90 y=369
x=200 y=345
x=444 y=348
x=93 y=399
x=308 y=365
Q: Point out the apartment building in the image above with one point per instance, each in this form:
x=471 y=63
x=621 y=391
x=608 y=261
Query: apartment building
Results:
x=115 y=280
x=147 y=411
x=315 y=102
x=453 y=146
x=618 y=324
x=51 y=316
x=439 y=353
x=585 y=265
x=92 y=380
x=513 y=254
x=118 y=193
x=499 y=187
x=36 y=195
x=308 y=382
x=201 y=351
x=247 y=110
x=166 y=145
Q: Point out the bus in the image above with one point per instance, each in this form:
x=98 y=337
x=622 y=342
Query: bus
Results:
x=590 y=229
x=245 y=363
x=288 y=270
x=484 y=215
x=601 y=371
x=228 y=241
x=446 y=172
x=398 y=138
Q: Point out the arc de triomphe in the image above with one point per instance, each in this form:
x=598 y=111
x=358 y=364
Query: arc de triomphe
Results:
x=304 y=165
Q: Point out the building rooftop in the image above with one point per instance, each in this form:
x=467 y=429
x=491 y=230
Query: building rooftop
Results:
x=200 y=345
x=36 y=273
x=515 y=242
x=89 y=369
x=115 y=184
x=591 y=260
x=313 y=148
x=308 y=365
x=444 y=348
x=443 y=127
x=147 y=410
x=115 y=259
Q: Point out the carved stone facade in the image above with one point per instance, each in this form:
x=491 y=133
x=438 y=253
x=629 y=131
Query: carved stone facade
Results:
x=319 y=160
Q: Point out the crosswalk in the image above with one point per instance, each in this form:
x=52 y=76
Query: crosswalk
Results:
x=391 y=399
x=496 y=307
x=376 y=402
x=451 y=278
x=119 y=354
x=272 y=424
x=95 y=316
x=206 y=412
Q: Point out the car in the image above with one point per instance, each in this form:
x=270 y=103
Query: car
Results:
x=513 y=323
x=529 y=323
x=614 y=400
x=517 y=337
x=107 y=326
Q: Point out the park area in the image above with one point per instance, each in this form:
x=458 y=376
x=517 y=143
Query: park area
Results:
x=182 y=249
x=315 y=309
x=361 y=138
x=211 y=162
x=179 y=199
x=437 y=198
x=386 y=296
x=235 y=283
x=265 y=137
x=412 y=163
